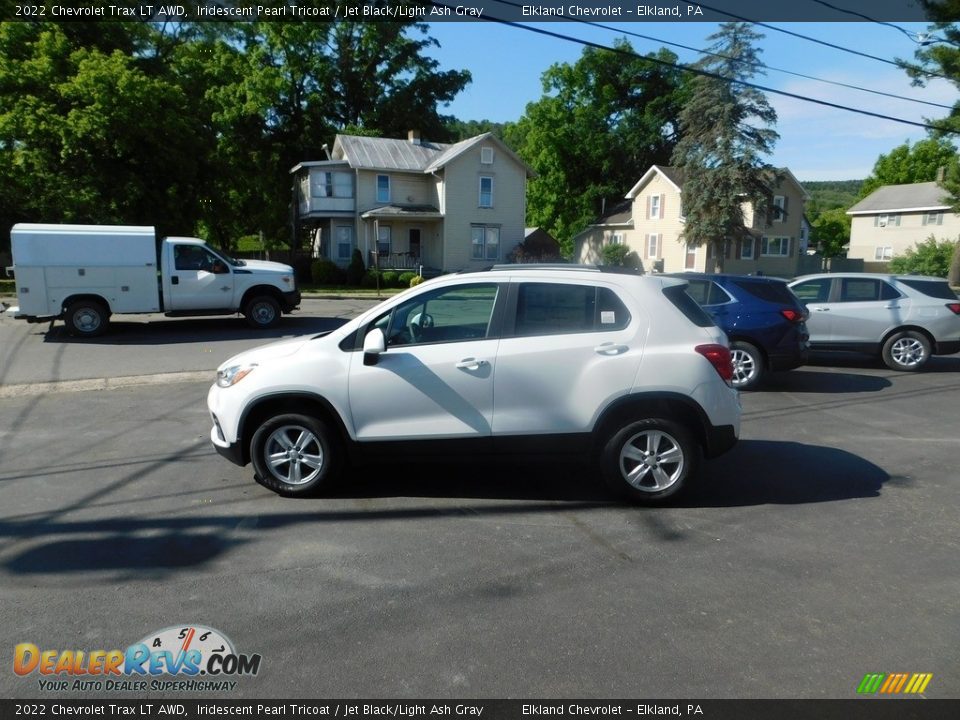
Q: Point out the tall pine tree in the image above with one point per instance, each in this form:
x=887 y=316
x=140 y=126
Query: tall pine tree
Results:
x=725 y=133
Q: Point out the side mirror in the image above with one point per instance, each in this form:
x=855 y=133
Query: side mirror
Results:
x=373 y=344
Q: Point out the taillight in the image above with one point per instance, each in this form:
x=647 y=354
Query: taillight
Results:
x=793 y=315
x=954 y=308
x=719 y=356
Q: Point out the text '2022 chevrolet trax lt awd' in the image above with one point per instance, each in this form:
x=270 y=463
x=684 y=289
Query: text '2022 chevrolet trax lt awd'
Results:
x=625 y=368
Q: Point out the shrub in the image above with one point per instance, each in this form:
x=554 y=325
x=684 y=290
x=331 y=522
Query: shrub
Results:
x=369 y=280
x=416 y=280
x=325 y=272
x=621 y=256
x=356 y=269
x=929 y=257
x=405 y=278
x=390 y=279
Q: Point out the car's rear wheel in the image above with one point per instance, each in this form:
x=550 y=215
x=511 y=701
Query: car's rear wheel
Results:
x=650 y=461
x=295 y=454
x=908 y=350
x=747 y=365
x=87 y=318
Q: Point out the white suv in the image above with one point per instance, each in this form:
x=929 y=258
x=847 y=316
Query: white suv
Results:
x=515 y=358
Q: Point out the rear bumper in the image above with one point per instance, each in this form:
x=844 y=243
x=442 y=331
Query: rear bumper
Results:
x=948 y=347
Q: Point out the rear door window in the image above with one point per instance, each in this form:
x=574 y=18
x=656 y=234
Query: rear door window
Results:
x=866 y=290
x=557 y=308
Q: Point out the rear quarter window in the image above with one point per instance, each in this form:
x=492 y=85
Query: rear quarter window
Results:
x=939 y=289
x=677 y=294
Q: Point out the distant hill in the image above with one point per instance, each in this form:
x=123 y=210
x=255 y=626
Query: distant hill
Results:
x=829 y=194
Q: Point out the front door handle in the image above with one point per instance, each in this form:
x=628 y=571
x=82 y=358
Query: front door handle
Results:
x=821 y=309
x=608 y=348
x=471 y=364
x=225 y=288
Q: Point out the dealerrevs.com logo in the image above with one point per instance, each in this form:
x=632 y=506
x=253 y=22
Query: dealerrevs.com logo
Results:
x=894 y=683
x=199 y=657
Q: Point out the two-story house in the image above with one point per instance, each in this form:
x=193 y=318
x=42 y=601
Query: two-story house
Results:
x=893 y=218
x=412 y=203
x=650 y=221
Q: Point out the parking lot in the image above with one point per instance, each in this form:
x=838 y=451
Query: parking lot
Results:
x=822 y=548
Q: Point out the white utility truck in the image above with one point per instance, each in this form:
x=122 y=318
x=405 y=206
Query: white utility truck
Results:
x=85 y=273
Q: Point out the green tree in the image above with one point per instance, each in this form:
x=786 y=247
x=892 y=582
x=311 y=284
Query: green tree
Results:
x=601 y=123
x=908 y=163
x=725 y=134
x=930 y=257
x=831 y=231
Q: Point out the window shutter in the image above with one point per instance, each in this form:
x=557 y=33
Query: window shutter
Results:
x=789 y=247
x=876 y=220
x=726 y=249
x=939 y=218
x=663 y=201
x=646 y=244
x=740 y=249
x=659 y=244
x=786 y=202
x=649 y=200
x=897 y=220
x=925 y=216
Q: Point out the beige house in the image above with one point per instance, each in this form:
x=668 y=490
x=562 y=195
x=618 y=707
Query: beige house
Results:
x=412 y=203
x=893 y=218
x=650 y=222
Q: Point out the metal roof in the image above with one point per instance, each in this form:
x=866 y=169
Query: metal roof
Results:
x=897 y=198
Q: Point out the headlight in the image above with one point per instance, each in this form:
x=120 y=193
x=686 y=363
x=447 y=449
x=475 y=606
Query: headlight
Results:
x=234 y=374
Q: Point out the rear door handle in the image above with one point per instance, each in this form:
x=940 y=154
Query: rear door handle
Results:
x=821 y=309
x=471 y=364
x=608 y=348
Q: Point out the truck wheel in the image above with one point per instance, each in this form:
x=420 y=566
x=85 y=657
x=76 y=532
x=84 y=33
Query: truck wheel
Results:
x=262 y=312
x=86 y=318
x=295 y=454
x=649 y=461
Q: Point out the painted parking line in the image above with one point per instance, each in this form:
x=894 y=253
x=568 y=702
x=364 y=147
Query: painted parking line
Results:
x=63 y=386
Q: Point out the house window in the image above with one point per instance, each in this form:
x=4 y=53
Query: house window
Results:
x=653 y=245
x=485 y=240
x=933 y=218
x=886 y=220
x=331 y=184
x=383 y=240
x=746 y=249
x=775 y=247
x=654 y=206
x=779 y=208
x=344 y=242
x=383 y=188
x=486 y=191
x=486 y=156
x=616 y=239
x=883 y=253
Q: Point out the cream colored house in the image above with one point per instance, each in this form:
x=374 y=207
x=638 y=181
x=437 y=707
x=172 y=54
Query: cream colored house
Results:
x=412 y=203
x=650 y=222
x=893 y=218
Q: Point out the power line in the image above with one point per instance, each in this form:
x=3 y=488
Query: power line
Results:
x=916 y=37
x=755 y=64
x=706 y=73
x=928 y=73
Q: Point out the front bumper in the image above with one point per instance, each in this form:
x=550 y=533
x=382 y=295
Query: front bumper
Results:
x=231 y=451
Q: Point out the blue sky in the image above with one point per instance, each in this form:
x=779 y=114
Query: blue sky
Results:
x=816 y=142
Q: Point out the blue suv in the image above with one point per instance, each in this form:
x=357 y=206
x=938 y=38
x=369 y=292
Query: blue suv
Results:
x=761 y=316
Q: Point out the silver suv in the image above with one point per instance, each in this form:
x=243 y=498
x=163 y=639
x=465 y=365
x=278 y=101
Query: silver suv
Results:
x=903 y=318
x=624 y=369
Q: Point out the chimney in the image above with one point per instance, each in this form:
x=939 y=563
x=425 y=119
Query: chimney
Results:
x=413 y=136
x=941 y=172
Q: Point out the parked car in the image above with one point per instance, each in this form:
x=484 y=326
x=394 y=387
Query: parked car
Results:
x=903 y=318
x=519 y=358
x=762 y=318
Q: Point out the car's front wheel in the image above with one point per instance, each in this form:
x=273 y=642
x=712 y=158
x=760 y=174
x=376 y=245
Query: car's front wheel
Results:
x=908 y=350
x=650 y=461
x=295 y=454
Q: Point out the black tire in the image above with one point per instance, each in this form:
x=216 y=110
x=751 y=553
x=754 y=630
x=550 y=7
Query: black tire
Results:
x=907 y=351
x=262 y=312
x=86 y=318
x=675 y=457
x=748 y=365
x=295 y=454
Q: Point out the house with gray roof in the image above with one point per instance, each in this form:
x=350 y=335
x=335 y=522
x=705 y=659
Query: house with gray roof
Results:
x=893 y=218
x=412 y=203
